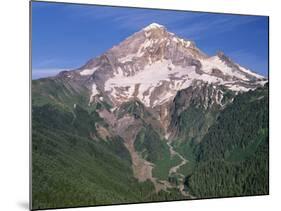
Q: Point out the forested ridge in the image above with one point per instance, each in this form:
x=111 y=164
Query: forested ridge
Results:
x=74 y=164
x=71 y=164
x=232 y=158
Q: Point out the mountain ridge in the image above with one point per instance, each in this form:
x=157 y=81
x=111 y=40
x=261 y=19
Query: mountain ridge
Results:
x=124 y=71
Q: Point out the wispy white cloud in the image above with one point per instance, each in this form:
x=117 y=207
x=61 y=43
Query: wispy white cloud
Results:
x=205 y=27
x=132 y=19
x=46 y=62
x=194 y=25
x=45 y=72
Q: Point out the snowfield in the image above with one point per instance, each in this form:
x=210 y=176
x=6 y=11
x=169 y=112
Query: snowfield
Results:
x=156 y=81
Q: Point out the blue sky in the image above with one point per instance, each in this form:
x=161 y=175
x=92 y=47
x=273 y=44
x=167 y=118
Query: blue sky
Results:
x=66 y=36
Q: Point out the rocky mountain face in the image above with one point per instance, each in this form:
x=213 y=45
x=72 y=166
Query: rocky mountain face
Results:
x=153 y=65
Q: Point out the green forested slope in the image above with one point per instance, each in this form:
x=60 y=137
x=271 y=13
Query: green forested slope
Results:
x=72 y=165
x=232 y=158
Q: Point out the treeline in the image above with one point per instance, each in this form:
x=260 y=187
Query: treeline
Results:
x=237 y=126
x=232 y=158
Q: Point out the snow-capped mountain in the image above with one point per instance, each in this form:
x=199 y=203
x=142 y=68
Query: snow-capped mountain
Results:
x=153 y=64
x=153 y=118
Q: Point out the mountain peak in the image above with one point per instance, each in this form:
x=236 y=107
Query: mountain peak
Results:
x=152 y=65
x=153 y=26
x=221 y=55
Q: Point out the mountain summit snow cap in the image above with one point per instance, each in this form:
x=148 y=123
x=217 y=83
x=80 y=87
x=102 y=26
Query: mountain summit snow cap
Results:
x=153 y=26
x=153 y=64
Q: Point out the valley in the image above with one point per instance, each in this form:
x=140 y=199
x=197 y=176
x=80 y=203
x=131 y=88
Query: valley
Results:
x=143 y=170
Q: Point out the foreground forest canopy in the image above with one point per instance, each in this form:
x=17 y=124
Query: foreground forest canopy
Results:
x=74 y=166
